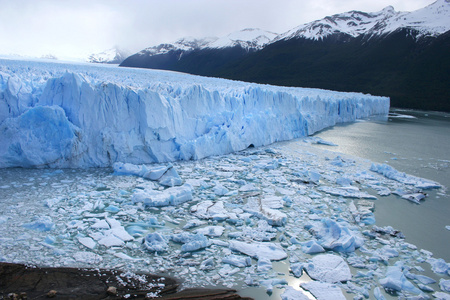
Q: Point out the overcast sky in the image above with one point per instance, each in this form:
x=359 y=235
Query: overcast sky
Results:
x=77 y=28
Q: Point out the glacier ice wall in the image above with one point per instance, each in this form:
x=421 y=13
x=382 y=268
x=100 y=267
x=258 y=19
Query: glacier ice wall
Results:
x=80 y=115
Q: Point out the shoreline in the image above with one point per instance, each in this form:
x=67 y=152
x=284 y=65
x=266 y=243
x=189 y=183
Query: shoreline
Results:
x=31 y=282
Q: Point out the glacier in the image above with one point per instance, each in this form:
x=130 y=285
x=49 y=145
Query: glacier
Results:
x=62 y=115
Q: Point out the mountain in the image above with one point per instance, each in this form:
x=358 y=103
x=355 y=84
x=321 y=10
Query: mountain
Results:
x=403 y=55
x=110 y=56
x=201 y=56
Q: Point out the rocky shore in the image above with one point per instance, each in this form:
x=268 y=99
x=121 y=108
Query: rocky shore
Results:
x=29 y=282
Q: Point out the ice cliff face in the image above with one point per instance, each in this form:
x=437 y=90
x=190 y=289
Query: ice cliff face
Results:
x=60 y=115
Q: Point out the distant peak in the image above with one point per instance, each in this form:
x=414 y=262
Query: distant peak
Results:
x=388 y=9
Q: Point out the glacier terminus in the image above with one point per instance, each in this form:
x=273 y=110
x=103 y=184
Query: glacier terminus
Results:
x=79 y=115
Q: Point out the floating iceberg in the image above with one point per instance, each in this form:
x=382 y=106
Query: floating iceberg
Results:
x=292 y=294
x=62 y=115
x=335 y=236
x=155 y=242
x=323 y=290
x=395 y=280
x=170 y=196
x=165 y=175
x=258 y=250
x=392 y=173
x=328 y=268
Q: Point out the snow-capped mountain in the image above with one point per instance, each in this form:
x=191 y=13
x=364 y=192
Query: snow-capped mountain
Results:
x=183 y=44
x=249 y=38
x=110 y=56
x=431 y=20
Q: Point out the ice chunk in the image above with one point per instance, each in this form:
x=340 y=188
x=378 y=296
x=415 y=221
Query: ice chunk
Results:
x=269 y=283
x=237 y=261
x=155 y=242
x=213 y=231
x=292 y=294
x=193 y=223
x=261 y=209
x=191 y=242
x=165 y=175
x=220 y=190
x=170 y=178
x=444 y=284
x=258 y=250
x=211 y=210
x=264 y=265
x=323 y=290
x=111 y=240
x=121 y=233
x=377 y=294
x=441 y=296
x=439 y=266
x=334 y=236
x=87 y=242
x=395 y=280
x=328 y=268
x=346 y=191
x=421 y=278
x=415 y=197
x=101 y=224
x=297 y=269
x=171 y=196
x=311 y=247
x=43 y=223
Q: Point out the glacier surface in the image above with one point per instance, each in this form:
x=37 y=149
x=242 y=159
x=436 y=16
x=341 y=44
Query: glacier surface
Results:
x=79 y=115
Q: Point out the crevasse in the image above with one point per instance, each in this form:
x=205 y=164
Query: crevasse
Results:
x=69 y=115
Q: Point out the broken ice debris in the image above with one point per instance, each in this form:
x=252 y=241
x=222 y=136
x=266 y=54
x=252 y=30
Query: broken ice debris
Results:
x=168 y=197
x=328 y=268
